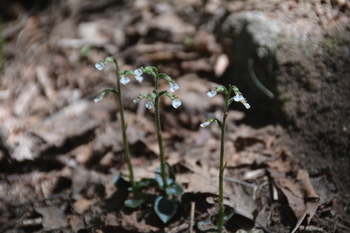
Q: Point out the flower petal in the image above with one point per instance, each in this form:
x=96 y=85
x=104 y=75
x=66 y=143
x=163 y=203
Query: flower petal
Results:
x=98 y=98
x=176 y=103
x=138 y=72
x=212 y=93
x=100 y=65
x=246 y=105
x=205 y=124
x=139 y=78
x=124 y=80
x=238 y=98
x=149 y=104
x=173 y=86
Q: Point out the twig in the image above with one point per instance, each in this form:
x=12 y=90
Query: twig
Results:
x=240 y=182
x=343 y=226
x=193 y=206
x=299 y=223
x=257 y=82
x=52 y=197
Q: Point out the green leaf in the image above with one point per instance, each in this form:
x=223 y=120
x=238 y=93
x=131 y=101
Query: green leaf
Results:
x=174 y=189
x=146 y=182
x=108 y=90
x=120 y=182
x=158 y=178
x=136 y=201
x=165 y=208
x=230 y=100
x=162 y=93
x=165 y=76
x=171 y=173
x=206 y=226
x=228 y=215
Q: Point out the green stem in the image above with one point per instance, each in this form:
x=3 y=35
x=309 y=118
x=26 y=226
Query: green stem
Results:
x=222 y=168
x=125 y=139
x=160 y=139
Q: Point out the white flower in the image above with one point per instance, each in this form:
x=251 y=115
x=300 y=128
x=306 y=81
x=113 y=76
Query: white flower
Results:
x=212 y=93
x=205 y=124
x=139 y=78
x=124 y=80
x=173 y=86
x=176 y=103
x=135 y=101
x=149 y=104
x=138 y=72
x=100 y=65
x=246 y=105
x=98 y=98
x=238 y=98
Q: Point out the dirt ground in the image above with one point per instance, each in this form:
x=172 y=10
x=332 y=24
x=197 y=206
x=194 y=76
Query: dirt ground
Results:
x=287 y=158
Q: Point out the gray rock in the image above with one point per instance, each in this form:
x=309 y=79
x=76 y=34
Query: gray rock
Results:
x=250 y=39
x=252 y=33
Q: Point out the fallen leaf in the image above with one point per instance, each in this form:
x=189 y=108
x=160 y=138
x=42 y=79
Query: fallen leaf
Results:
x=54 y=218
x=82 y=205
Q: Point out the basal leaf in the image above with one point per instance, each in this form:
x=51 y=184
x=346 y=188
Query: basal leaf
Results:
x=120 y=182
x=174 y=189
x=165 y=208
x=206 y=226
x=136 y=201
x=228 y=215
x=146 y=182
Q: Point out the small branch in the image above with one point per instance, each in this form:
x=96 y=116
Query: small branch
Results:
x=257 y=82
x=193 y=207
x=299 y=223
x=240 y=182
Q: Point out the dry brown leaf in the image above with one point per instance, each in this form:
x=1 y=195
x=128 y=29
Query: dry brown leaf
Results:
x=305 y=182
x=280 y=165
x=295 y=198
x=242 y=158
x=131 y=222
x=76 y=222
x=54 y=218
x=178 y=26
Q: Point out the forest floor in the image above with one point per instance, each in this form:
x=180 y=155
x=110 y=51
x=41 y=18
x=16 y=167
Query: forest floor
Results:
x=60 y=151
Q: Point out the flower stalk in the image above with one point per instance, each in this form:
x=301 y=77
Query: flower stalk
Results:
x=160 y=136
x=165 y=206
x=222 y=124
x=222 y=165
x=125 y=138
x=124 y=80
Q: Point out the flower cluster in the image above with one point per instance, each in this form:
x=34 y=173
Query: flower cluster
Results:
x=165 y=177
x=173 y=86
x=102 y=64
x=151 y=98
x=138 y=75
x=238 y=97
x=123 y=78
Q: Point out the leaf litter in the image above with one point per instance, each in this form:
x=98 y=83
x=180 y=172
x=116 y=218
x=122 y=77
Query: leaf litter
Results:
x=63 y=150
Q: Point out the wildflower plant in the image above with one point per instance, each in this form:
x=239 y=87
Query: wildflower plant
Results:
x=165 y=205
x=121 y=78
x=238 y=97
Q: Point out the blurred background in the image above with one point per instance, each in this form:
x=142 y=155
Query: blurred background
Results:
x=289 y=58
